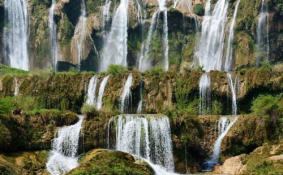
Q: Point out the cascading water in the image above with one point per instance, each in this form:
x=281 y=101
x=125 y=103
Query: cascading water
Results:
x=224 y=125
x=263 y=34
x=147 y=137
x=139 y=4
x=145 y=63
x=115 y=49
x=17 y=87
x=209 y=51
x=80 y=31
x=53 y=35
x=233 y=87
x=63 y=156
x=210 y=48
x=16 y=34
x=229 y=52
x=101 y=92
x=106 y=13
x=91 y=91
x=126 y=95
x=139 y=109
x=205 y=96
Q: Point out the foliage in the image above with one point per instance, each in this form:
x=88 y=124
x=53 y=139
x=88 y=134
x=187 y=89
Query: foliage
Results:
x=155 y=71
x=116 y=69
x=8 y=104
x=265 y=64
x=199 y=10
x=88 y=109
x=266 y=105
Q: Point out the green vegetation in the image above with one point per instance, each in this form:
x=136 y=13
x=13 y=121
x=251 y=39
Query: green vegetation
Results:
x=259 y=162
x=6 y=70
x=111 y=163
x=26 y=104
x=268 y=105
x=88 y=109
x=199 y=10
x=116 y=69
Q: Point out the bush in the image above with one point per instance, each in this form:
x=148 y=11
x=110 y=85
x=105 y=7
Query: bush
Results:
x=155 y=71
x=116 y=69
x=88 y=109
x=265 y=105
x=6 y=105
x=199 y=10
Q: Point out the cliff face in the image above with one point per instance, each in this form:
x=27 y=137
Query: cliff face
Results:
x=161 y=92
x=183 y=22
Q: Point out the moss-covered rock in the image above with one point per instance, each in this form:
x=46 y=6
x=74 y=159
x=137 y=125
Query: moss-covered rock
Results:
x=111 y=162
x=25 y=163
x=32 y=132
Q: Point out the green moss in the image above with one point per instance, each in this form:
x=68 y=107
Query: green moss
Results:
x=110 y=163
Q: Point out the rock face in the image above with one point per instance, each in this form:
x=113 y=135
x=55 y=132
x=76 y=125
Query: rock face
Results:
x=182 y=29
x=26 y=133
x=232 y=166
x=264 y=159
x=25 y=163
x=161 y=92
x=111 y=162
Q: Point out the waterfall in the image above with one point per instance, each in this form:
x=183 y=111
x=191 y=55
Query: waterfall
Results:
x=106 y=13
x=263 y=34
x=16 y=34
x=229 y=52
x=139 y=109
x=209 y=51
x=126 y=94
x=205 y=96
x=63 y=156
x=53 y=35
x=139 y=10
x=233 y=87
x=16 y=87
x=147 y=137
x=91 y=91
x=101 y=92
x=145 y=63
x=81 y=32
x=115 y=49
x=210 y=47
x=224 y=125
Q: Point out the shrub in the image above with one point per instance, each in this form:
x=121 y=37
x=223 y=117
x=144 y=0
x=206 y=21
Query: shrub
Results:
x=265 y=105
x=116 y=69
x=199 y=10
x=88 y=109
x=155 y=71
x=6 y=105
